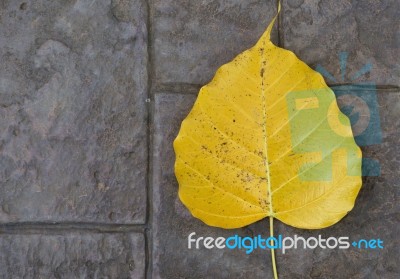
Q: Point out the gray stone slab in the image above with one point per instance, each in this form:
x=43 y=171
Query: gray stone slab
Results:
x=73 y=82
x=376 y=215
x=192 y=39
x=367 y=30
x=172 y=223
x=75 y=255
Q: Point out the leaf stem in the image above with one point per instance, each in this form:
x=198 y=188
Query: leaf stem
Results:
x=271 y=232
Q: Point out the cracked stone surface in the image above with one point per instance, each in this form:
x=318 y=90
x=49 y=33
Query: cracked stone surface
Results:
x=77 y=255
x=367 y=30
x=375 y=216
x=193 y=39
x=73 y=83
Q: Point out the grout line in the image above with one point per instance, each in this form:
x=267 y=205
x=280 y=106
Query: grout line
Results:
x=150 y=119
x=147 y=259
x=67 y=227
x=193 y=89
x=279 y=26
x=384 y=88
x=186 y=88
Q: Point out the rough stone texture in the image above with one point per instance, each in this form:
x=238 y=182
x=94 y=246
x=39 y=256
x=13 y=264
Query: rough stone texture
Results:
x=192 y=39
x=74 y=255
x=376 y=215
x=172 y=223
x=73 y=83
x=73 y=134
x=368 y=30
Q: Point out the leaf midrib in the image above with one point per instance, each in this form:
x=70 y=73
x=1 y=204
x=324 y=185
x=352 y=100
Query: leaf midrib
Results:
x=262 y=71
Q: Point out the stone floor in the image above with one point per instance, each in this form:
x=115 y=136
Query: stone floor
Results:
x=92 y=93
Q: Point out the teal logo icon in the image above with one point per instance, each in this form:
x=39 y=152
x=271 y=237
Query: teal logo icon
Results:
x=358 y=101
x=304 y=109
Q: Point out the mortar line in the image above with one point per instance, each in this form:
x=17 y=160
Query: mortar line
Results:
x=147 y=245
x=193 y=89
x=279 y=25
x=43 y=227
x=150 y=119
x=189 y=88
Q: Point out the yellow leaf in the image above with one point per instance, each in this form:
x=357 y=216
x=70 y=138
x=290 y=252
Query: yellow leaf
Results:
x=266 y=138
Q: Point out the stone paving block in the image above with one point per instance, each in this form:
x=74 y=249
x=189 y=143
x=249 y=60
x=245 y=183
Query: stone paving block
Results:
x=172 y=223
x=367 y=30
x=192 y=39
x=75 y=255
x=376 y=215
x=73 y=143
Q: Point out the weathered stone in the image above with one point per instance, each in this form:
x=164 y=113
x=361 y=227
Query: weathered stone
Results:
x=172 y=223
x=74 y=255
x=367 y=30
x=193 y=39
x=73 y=82
x=375 y=215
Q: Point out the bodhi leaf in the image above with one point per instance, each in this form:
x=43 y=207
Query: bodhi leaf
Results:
x=266 y=138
